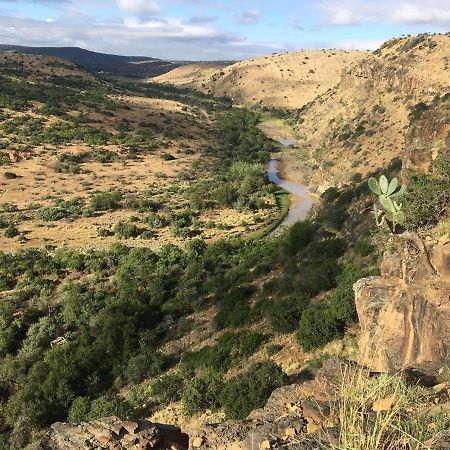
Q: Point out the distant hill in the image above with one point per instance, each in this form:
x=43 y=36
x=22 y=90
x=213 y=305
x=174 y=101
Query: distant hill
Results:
x=281 y=80
x=128 y=66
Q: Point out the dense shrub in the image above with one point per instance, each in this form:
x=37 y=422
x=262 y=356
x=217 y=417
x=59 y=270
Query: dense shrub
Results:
x=230 y=351
x=105 y=201
x=250 y=390
x=202 y=393
x=168 y=388
x=427 y=197
x=127 y=230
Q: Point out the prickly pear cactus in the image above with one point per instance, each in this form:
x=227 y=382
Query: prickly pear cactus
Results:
x=387 y=193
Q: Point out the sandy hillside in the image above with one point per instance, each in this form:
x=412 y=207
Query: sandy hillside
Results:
x=288 y=80
x=392 y=102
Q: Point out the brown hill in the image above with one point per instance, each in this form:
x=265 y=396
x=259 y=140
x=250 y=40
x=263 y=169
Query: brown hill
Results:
x=288 y=80
x=40 y=66
x=394 y=101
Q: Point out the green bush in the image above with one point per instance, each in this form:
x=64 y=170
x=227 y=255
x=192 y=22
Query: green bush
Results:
x=230 y=351
x=427 y=196
x=321 y=324
x=250 y=390
x=145 y=365
x=11 y=231
x=203 y=393
x=106 y=201
x=127 y=230
x=84 y=410
x=168 y=388
x=167 y=156
x=10 y=175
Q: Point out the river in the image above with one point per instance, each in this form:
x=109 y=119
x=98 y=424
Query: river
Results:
x=301 y=201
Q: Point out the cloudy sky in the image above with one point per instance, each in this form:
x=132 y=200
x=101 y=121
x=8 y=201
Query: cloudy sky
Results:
x=216 y=29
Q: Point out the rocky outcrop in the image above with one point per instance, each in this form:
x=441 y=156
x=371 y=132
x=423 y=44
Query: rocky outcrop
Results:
x=297 y=416
x=113 y=433
x=405 y=320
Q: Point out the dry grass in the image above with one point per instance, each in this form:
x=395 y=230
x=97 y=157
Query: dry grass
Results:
x=384 y=413
x=286 y=80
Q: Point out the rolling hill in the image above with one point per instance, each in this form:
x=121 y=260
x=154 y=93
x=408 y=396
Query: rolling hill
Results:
x=288 y=80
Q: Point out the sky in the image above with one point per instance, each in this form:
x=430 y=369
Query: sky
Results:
x=216 y=29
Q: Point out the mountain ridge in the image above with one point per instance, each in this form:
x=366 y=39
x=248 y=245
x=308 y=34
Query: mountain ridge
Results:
x=129 y=66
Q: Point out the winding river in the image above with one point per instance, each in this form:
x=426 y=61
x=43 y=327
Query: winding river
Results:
x=301 y=201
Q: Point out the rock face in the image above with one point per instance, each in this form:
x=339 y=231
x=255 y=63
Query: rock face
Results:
x=405 y=323
x=113 y=433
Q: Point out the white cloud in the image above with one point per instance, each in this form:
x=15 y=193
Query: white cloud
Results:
x=139 y=6
x=354 y=12
x=249 y=17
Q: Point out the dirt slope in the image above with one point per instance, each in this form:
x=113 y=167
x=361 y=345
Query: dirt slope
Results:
x=288 y=80
x=392 y=102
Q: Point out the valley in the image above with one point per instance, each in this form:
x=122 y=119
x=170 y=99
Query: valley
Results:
x=154 y=268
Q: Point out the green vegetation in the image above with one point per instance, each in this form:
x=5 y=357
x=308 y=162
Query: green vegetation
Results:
x=428 y=196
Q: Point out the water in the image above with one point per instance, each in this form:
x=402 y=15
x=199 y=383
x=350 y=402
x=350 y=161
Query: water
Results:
x=288 y=142
x=301 y=203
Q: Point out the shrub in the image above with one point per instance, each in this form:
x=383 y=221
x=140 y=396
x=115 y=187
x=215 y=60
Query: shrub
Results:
x=10 y=175
x=50 y=213
x=167 y=156
x=427 y=196
x=234 y=307
x=250 y=390
x=106 y=201
x=127 y=230
x=203 y=393
x=11 y=231
x=168 y=388
x=298 y=237
x=232 y=349
x=84 y=410
x=144 y=365
x=285 y=313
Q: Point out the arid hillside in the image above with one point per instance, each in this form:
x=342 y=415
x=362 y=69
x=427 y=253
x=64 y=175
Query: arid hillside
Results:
x=394 y=101
x=69 y=140
x=288 y=80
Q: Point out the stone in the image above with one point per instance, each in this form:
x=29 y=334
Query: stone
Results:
x=439 y=442
x=403 y=325
x=385 y=404
x=440 y=388
x=315 y=411
x=265 y=445
x=113 y=434
x=440 y=258
x=197 y=442
x=312 y=428
x=391 y=265
x=290 y=431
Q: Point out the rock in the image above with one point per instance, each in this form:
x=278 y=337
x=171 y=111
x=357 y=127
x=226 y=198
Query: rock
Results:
x=403 y=325
x=439 y=442
x=315 y=411
x=391 y=265
x=440 y=258
x=112 y=433
x=197 y=442
x=265 y=445
x=385 y=404
x=440 y=388
x=312 y=428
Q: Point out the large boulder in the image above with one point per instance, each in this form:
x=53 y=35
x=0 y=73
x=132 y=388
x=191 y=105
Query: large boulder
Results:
x=405 y=323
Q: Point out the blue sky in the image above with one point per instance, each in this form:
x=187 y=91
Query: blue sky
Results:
x=216 y=29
